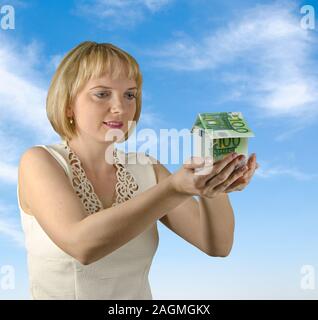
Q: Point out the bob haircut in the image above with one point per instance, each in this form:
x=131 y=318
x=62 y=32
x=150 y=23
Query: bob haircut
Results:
x=88 y=60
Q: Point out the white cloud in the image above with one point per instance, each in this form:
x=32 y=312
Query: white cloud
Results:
x=284 y=164
x=8 y=172
x=295 y=127
x=114 y=13
x=9 y=227
x=21 y=95
x=155 y=5
x=151 y=119
x=264 y=57
x=22 y=99
x=283 y=171
x=54 y=62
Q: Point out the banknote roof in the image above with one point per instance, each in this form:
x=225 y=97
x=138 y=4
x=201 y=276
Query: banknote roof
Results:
x=222 y=125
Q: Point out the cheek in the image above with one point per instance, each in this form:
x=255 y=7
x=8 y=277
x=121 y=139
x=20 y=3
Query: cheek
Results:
x=88 y=117
x=132 y=110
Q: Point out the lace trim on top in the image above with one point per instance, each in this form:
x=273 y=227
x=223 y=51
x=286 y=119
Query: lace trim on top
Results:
x=126 y=186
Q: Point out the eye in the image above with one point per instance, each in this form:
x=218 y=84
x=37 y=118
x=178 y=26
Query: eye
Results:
x=131 y=95
x=101 y=95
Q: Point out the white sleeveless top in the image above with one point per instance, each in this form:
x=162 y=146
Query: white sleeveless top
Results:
x=122 y=274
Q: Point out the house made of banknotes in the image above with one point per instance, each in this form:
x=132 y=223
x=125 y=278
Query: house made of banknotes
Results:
x=220 y=133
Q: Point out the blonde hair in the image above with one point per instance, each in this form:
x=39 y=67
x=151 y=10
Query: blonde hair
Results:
x=87 y=60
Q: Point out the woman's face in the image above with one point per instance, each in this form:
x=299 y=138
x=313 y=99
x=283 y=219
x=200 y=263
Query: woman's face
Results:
x=103 y=100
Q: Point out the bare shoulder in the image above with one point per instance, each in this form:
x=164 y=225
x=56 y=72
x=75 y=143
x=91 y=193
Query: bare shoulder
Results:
x=34 y=153
x=35 y=163
x=36 y=156
x=50 y=198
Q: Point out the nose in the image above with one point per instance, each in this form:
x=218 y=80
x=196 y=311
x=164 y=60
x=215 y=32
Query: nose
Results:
x=116 y=104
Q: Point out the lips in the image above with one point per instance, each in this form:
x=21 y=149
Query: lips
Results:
x=114 y=124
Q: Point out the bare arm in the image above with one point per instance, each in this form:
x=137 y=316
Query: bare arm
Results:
x=60 y=213
x=208 y=224
x=217 y=224
x=107 y=230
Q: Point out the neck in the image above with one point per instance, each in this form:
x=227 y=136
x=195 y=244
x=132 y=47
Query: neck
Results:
x=96 y=157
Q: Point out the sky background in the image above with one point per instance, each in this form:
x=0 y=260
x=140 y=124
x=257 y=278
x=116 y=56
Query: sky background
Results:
x=195 y=56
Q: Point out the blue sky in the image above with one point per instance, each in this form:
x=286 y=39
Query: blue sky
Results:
x=195 y=56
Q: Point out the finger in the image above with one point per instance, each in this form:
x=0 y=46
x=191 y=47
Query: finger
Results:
x=203 y=173
x=247 y=176
x=229 y=157
x=194 y=162
x=252 y=167
x=235 y=186
x=221 y=164
x=244 y=180
x=211 y=169
x=252 y=160
x=227 y=171
x=232 y=178
x=239 y=187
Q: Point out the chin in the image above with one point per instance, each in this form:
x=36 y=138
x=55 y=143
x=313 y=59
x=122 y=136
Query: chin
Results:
x=116 y=136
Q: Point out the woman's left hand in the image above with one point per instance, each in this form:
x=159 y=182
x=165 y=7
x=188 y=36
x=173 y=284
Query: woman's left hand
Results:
x=240 y=183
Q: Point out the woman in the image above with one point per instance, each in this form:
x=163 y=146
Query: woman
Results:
x=90 y=224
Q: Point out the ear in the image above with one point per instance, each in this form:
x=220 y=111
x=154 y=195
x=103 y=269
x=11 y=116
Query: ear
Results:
x=69 y=112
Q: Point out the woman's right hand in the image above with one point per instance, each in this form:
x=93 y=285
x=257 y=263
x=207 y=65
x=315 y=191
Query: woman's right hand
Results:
x=212 y=181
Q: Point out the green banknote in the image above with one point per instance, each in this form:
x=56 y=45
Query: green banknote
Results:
x=219 y=133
